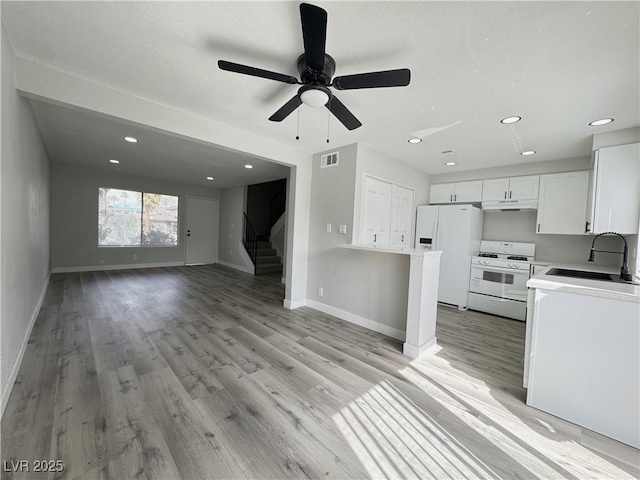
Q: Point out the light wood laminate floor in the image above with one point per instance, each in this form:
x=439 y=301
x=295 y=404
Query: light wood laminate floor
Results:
x=199 y=372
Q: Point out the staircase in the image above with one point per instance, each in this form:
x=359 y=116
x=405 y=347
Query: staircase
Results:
x=266 y=260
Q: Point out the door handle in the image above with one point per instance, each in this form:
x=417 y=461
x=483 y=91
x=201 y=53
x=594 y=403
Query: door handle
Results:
x=188 y=233
x=586 y=226
x=375 y=236
x=538 y=228
x=402 y=239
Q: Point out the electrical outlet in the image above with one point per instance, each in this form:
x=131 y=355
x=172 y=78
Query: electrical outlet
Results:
x=101 y=262
x=135 y=257
x=328 y=228
x=320 y=292
x=342 y=229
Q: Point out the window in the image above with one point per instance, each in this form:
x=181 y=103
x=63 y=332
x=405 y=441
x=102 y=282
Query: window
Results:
x=128 y=218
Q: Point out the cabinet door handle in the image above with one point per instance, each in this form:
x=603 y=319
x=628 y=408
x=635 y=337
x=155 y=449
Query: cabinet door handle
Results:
x=538 y=228
x=510 y=192
x=402 y=239
x=505 y=194
x=451 y=198
x=455 y=197
x=375 y=236
x=586 y=226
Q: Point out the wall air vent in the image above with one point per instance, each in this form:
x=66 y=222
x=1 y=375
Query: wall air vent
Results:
x=329 y=160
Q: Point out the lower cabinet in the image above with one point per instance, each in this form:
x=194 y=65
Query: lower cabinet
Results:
x=562 y=206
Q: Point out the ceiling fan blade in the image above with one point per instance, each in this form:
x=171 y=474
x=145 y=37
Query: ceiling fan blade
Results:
x=387 y=78
x=314 y=33
x=286 y=109
x=256 y=72
x=343 y=114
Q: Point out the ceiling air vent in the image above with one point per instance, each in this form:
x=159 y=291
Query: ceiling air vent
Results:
x=450 y=152
x=329 y=160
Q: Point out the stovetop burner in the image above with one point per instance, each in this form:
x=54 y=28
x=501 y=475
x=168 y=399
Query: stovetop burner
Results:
x=517 y=257
x=488 y=255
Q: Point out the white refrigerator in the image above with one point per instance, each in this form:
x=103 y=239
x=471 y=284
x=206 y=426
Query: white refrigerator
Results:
x=456 y=230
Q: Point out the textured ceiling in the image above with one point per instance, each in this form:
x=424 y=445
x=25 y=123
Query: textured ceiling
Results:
x=559 y=65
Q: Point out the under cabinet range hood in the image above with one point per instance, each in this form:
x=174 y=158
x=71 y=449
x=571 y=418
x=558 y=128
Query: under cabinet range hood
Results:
x=503 y=205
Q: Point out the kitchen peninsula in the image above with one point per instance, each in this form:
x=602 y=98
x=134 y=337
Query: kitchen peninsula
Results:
x=424 y=271
x=584 y=353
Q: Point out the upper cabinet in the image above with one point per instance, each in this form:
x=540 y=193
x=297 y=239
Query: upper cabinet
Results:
x=387 y=211
x=614 y=196
x=515 y=188
x=563 y=203
x=460 y=192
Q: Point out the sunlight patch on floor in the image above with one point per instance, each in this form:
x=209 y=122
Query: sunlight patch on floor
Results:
x=395 y=439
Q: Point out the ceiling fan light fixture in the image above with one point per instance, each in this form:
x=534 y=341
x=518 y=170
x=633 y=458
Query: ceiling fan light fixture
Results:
x=314 y=97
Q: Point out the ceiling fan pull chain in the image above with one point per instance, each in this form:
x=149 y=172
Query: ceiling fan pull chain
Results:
x=298 y=127
x=328 y=122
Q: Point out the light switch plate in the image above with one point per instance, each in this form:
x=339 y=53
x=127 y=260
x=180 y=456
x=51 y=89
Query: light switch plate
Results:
x=328 y=228
x=342 y=229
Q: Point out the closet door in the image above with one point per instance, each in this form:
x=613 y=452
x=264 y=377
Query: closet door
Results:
x=401 y=216
x=376 y=212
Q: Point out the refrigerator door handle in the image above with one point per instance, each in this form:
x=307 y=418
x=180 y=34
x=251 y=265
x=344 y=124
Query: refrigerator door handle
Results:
x=436 y=243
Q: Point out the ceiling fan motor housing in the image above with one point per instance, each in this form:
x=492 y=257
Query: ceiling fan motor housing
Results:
x=313 y=77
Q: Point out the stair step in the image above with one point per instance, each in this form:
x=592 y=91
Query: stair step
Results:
x=268 y=260
x=266 y=252
x=262 y=245
x=268 y=268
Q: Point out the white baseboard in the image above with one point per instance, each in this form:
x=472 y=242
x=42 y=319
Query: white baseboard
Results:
x=358 y=320
x=126 y=266
x=8 y=383
x=293 y=305
x=234 y=266
x=414 y=352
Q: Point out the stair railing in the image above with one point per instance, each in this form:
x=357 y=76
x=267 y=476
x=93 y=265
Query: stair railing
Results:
x=277 y=205
x=250 y=239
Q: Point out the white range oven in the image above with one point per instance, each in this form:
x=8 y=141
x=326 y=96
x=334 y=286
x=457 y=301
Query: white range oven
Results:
x=499 y=274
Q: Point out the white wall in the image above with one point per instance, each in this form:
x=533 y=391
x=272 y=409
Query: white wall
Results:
x=74 y=217
x=232 y=202
x=368 y=288
x=617 y=137
x=24 y=231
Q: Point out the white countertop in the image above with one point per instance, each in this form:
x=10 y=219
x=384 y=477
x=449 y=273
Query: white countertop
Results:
x=397 y=251
x=595 y=288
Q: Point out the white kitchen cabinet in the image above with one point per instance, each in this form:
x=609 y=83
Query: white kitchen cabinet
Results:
x=562 y=205
x=387 y=211
x=614 y=190
x=376 y=212
x=515 y=188
x=460 y=192
x=401 y=216
x=441 y=193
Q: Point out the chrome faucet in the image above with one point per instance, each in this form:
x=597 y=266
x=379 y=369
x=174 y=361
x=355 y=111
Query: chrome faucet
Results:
x=624 y=270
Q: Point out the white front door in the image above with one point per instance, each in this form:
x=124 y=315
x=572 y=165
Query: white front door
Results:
x=202 y=231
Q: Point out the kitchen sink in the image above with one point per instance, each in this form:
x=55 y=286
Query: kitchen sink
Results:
x=606 y=277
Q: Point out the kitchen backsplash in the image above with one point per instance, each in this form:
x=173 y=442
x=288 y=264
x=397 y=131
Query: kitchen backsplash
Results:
x=521 y=226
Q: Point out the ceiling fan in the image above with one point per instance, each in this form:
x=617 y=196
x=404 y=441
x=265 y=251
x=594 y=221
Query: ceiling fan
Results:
x=316 y=69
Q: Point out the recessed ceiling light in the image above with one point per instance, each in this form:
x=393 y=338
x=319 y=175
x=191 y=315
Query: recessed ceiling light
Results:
x=602 y=121
x=509 y=120
x=248 y=166
x=209 y=178
x=114 y=161
x=528 y=152
x=449 y=164
x=414 y=140
x=131 y=139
